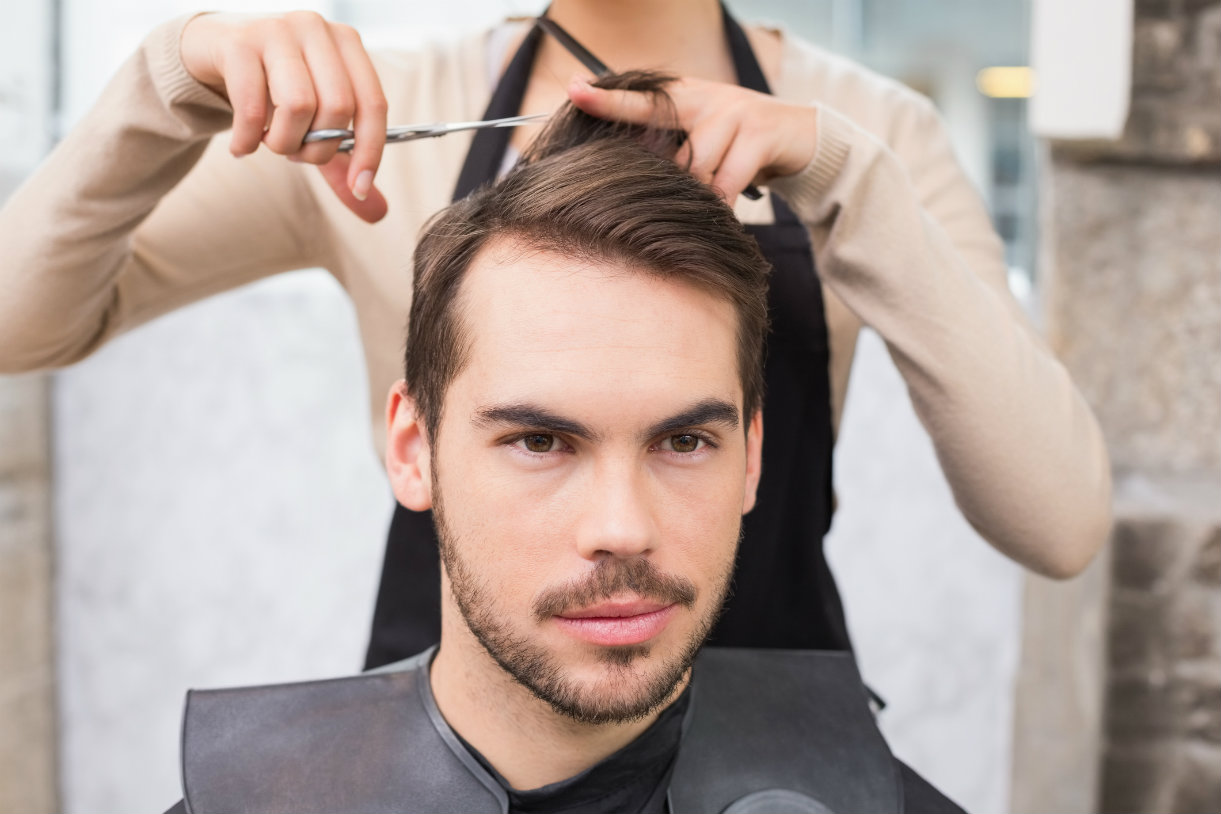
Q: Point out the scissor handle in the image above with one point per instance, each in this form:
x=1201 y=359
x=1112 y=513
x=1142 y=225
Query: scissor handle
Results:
x=326 y=135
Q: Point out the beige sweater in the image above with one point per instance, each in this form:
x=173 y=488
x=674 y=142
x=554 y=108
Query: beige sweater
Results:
x=139 y=210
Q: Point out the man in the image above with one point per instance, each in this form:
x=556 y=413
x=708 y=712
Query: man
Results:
x=582 y=413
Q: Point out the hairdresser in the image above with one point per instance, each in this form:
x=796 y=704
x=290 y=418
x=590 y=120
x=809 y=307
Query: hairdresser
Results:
x=189 y=177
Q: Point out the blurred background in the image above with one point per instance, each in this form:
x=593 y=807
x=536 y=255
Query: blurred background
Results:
x=153 y=496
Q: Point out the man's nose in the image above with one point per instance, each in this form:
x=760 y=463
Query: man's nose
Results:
x=616 y=512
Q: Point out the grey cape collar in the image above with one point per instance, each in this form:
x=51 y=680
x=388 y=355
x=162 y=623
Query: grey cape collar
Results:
x=765 y=728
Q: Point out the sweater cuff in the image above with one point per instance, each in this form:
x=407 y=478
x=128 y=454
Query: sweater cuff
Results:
x=805 y=190
x=173 y=82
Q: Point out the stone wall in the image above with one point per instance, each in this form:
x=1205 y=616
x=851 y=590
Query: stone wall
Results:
x=1174 y=115
x=1133 y=301
x=1163 y=725
x=1138 y=316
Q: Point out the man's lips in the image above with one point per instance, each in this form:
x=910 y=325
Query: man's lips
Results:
x=615 y=610
x=617 y=623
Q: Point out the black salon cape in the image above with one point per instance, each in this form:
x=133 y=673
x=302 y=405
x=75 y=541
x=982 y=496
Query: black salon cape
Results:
x=921 y=798
x=748 y=720
x=597 y=797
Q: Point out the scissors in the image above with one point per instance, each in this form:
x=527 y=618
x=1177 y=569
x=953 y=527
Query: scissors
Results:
x=411 y=132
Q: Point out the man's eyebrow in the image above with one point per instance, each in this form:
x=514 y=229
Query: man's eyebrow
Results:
x=708 y=411
x=529 y=416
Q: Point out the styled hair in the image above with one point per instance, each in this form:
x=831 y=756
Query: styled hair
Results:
x=595 y=191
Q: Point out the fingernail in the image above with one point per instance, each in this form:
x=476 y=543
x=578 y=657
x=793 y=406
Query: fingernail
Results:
x=362 y=184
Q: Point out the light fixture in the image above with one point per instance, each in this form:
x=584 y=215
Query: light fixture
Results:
x=1006 y=82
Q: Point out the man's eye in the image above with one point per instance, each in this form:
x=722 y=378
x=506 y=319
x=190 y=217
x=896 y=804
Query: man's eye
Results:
x=682 y=443
x=539 y=442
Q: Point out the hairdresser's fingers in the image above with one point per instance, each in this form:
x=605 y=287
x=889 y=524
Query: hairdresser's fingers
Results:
x=292 y=94
x=370 y=116
x=739 y=167
x=779 y=133
x=630 y=107
x=372 y=209
x=708 y=145
x=336 y=102
x=697 y=153
x=787 y=138
x=682 y=157
x=246 y=87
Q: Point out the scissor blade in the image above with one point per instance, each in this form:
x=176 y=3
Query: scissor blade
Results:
x=411 y=132
x=433 y=130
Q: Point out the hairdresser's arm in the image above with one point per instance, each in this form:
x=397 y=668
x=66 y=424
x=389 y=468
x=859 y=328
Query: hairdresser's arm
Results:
x=134 y=214
x=905 y=242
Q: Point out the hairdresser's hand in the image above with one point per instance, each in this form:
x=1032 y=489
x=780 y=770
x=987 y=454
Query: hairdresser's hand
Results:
x=736 y=136
x=289 y=74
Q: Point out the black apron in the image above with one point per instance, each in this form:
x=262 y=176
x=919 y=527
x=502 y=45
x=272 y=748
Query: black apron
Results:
x=784 y=595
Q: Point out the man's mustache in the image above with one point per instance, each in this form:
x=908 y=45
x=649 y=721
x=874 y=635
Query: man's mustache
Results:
x=614 y=576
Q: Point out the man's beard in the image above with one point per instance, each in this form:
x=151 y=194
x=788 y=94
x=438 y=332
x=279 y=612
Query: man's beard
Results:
x=529 y=663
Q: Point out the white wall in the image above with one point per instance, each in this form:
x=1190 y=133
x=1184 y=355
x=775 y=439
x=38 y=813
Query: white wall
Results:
x=934 y=611
x=26 y=79
x=221 y=517
x=219 y=509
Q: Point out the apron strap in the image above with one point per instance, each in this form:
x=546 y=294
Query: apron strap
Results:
x=750 y=76
x=483 y=159
x=745 y=64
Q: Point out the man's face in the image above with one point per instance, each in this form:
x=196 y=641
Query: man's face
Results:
x=589 y=476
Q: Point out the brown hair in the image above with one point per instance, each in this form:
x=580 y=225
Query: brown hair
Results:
x=592 y=190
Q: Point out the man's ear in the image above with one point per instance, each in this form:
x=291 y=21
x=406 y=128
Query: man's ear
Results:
x=754 y=460
x=408 y=456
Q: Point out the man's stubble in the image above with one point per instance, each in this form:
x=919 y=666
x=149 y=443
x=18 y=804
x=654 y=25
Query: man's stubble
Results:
x=529 y=664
